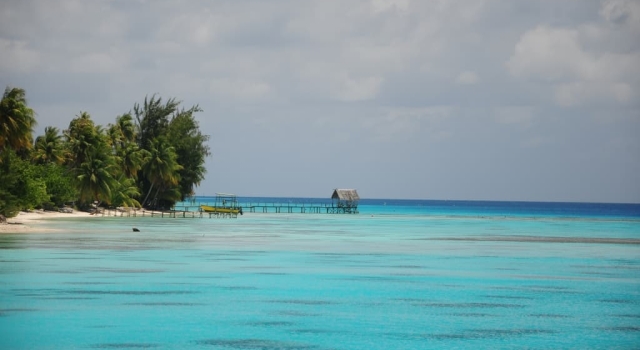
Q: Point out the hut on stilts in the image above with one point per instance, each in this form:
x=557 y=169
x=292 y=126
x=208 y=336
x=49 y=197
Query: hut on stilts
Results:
x=345 y=201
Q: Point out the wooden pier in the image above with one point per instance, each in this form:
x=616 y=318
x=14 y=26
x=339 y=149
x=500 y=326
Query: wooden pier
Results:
x=343 y=201
x=192 y=211
x=132 y=213
x=310 y=208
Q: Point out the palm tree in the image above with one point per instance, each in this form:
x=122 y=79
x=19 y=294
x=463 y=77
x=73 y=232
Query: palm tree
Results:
x=132 y=159
x=127 y=127
x=16 y=120
x=48 y=147
x=191 y=148
x=114 y=137
x=95 y=179
x=124 y=192
x=122 y=132
x=152 y=119
x=83 y=136
x=161 y=169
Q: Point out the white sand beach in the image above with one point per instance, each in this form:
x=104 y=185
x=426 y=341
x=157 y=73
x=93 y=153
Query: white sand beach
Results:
x=28 y=222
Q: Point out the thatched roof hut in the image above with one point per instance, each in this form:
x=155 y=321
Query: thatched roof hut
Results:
x=345 y=201
x=345 y=195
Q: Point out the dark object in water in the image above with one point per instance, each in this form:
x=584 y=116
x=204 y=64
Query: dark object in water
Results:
x=135 y=229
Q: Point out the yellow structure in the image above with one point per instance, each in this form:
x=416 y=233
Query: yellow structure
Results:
x=225 y=205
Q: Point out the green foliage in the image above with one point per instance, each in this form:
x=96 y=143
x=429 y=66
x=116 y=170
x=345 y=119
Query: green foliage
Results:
x=30 y=187
x=33 y=191
x=48 y=147
x=153 y=119
x=94 y=164
x=9 y=174
x=129 y=159
x=124 y=192
x=130 y=156
x=191 y=148
x=83 y=138
x=126 y=128
x=21 y=186
x=157 y=150
x=16 y=120
x=60 y=184
x=161 y=170
x=94 y=179
x=163 y=130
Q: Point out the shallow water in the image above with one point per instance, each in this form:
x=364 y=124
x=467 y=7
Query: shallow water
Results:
x=378 y=280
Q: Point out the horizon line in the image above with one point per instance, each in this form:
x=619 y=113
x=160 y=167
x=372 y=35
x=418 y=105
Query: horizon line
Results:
x=440 y=200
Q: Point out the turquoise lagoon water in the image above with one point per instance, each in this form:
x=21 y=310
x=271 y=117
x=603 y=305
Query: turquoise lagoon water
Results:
x=399 y=275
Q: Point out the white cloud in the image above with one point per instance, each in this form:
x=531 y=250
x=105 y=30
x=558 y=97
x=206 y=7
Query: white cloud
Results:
x=514 y=115
x=358 y=89
x=576 y=93
x=198 y=28
x=17 y=56
x=403 y=123
x=98 y=62
x=589 y=64
x=356 y=42
x=295 y=64
x=386 y=5
x=618 y=11
x=552 y=54
x=467 y=78
x=534 y=142
x=245 y=90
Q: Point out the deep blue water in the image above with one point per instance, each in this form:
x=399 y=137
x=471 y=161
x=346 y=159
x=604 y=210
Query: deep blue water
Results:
x=399 y=275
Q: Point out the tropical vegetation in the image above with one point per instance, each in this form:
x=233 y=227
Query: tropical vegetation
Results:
x=151 y=156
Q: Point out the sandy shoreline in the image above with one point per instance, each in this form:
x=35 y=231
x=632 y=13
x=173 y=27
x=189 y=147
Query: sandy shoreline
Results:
x=31 y=222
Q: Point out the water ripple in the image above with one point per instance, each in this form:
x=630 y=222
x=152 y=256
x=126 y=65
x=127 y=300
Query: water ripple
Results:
x=471 y=334
x=470 y=305
x=270 y=323
x=617 y=301
x=302 y=302
x=258 y=344
x=473 y=314
x=129 y=292
x=164 y=304
x=314 y=331
x=238 y=288
x=622 y=328
x=114 y=270
x=18 y=310
x=294 y=313
x=516 y=297
x=548 y=316
x=539 y=239
x=125 y=346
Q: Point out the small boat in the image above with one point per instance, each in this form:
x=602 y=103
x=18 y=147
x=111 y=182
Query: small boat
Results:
x=220 y=210
x=226 y=205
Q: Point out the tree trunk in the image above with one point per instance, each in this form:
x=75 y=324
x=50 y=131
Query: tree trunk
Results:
x=155 y=197
x=144 y=203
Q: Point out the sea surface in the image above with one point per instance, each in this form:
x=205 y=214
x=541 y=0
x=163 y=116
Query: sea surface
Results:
x=398 y=275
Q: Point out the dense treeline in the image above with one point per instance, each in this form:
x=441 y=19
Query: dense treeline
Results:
x=152 y=157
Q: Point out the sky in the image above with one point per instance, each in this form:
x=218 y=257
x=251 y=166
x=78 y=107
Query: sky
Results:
x=482 y=99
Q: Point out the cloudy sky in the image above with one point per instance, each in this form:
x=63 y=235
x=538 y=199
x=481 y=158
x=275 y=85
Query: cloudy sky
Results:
x=478 y=99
